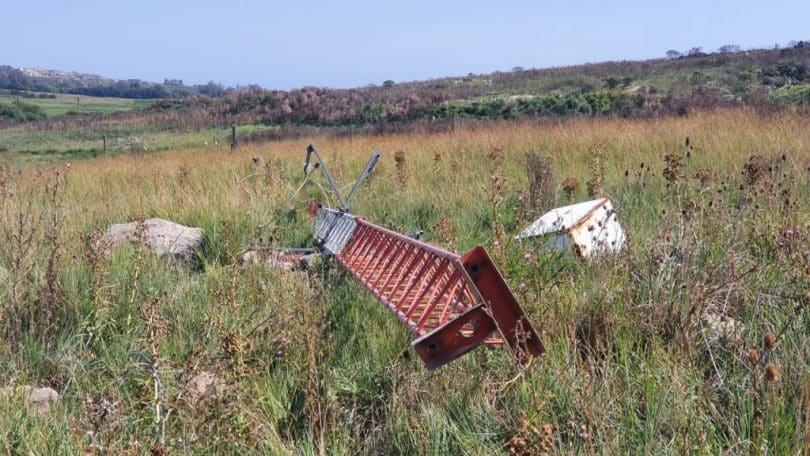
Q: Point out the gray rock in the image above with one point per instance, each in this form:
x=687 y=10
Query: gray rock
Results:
x=39 y=399
x=204 y=385
x=716 y=327
x=271 y=259
x=311 y=261
x=161 y=236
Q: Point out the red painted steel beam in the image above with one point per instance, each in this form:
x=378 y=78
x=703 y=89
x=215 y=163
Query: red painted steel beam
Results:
x=452 y=304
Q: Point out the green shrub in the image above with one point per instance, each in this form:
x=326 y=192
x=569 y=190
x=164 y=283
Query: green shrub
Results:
x=21 y=112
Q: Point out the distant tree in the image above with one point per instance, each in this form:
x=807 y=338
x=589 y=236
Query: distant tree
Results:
x=612 y=82
x=212 y=89
x=672 y=54
x=729 y=49
x=695 y=51
x=388 y=83
x=517 y=69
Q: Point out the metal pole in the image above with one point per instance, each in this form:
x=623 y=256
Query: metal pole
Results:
x=372 y=162
x=233 y=136
x=307 y=168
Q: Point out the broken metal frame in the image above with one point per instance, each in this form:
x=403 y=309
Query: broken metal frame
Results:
x=451 y=303
x=344 y=203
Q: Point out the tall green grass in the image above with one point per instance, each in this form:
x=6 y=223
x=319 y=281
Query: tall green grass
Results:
x=310 y=363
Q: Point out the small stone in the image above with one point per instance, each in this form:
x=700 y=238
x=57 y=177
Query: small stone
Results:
x=721 y=327
x=279 y=260
x=203 y=385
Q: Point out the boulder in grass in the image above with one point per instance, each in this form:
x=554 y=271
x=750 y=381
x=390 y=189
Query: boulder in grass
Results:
x=39 y=399
x=163 y=237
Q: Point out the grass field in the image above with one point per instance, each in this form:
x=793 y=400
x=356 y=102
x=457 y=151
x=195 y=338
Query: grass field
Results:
x=694 y=340
x=66 y=104
x=27 y=144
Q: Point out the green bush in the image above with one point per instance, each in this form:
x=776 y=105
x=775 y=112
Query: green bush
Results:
x=792 y=95
x=21 y=112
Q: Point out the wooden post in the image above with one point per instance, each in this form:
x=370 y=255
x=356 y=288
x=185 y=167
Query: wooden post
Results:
x=104 y=143
x=233 y=136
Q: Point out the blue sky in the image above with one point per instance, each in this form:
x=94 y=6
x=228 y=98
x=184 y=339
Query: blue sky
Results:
x=285 y=45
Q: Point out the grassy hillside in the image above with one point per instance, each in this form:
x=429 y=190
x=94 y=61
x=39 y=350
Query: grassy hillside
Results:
x=56 y=105
x=765 y=80
x=660 y=350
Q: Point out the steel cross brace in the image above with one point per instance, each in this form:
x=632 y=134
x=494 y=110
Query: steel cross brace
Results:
x=344 y=202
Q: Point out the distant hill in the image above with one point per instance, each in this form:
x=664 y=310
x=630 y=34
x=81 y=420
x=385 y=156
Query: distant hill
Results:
x=764 y=78
x=56 y=81
x=674 y=85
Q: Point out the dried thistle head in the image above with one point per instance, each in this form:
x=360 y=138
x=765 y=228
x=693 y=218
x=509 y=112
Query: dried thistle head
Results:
x=495 y=156
x=705 y=176
x=755 y=170
x=597 y=180
x=182 y=176
x=771 y=373
x=541 y=180
x=769 y=340
x=673 y=168
x=401 y=167
x=447 y=230
x=570 y=186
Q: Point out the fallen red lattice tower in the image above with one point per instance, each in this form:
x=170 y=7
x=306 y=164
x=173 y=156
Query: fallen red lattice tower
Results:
x=451 y=303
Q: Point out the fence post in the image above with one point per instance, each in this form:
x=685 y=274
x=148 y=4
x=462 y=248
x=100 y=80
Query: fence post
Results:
x=233 y=136
x=104 y=143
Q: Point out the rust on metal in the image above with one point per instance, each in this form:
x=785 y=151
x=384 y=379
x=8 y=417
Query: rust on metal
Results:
x=452 y=304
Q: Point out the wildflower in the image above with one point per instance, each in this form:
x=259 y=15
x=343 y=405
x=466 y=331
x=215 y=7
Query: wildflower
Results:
x=790 y=233
x=527 y=256
x=522 y=286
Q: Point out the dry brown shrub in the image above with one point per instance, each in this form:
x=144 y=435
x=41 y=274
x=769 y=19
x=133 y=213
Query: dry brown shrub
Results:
x=755 y=170
x=673 y=169
x=541 y=180
x=401 y=166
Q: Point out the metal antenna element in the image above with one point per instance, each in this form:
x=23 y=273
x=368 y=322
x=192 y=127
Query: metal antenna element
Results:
x=369 y=168
x=344 y=203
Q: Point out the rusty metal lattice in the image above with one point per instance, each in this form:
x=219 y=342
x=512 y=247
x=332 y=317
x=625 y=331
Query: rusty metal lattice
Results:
x=451 y=303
